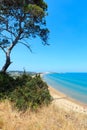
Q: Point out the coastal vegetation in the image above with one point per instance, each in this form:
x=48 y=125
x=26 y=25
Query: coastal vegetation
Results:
x=24 y=91
x=21 y=20
x=25 y=100
x=45 y=118
x=26 y=103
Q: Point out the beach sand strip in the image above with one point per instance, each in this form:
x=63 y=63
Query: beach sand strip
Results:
x=63 y=101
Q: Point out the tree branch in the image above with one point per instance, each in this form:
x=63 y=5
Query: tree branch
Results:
x=4 y=29
x=14 y=42
x=17 y=37
x=3 y=49
x=26 y=46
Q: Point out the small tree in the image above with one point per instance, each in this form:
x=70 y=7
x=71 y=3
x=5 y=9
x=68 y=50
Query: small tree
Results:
x=20 y=20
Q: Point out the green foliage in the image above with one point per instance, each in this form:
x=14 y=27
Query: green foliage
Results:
x=22 y=79
x=21 y=13
x=35 y=11
x=24 y=91
x=21 y=20
x=7 y=84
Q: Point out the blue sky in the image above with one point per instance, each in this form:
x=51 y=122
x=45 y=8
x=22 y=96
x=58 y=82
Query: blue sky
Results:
x=67 y=22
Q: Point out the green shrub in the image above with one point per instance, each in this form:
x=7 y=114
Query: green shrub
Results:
x=25 y=91
x=31 y=95
x=22 y=79
x=7 y=83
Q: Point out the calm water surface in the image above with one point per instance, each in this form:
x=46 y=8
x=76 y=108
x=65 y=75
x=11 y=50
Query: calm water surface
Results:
x=72 y=84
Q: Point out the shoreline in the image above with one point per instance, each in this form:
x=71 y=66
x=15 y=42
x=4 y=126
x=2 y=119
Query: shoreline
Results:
x=65 y=102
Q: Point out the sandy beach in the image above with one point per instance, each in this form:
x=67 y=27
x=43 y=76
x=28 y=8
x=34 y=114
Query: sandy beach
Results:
x=65 y=102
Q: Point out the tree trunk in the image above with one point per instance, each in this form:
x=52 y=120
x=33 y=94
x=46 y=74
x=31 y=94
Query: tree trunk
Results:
x=7 y=62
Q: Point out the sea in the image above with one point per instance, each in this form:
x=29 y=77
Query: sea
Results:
x=73 y=85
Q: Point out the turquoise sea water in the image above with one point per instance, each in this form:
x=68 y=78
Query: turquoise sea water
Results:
x=73 y=85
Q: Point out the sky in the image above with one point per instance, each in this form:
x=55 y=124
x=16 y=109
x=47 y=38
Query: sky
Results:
x=67 y=22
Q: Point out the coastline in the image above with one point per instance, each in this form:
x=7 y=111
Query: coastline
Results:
x=63 y=101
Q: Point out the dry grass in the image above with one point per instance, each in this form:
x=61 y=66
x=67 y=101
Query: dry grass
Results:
x=1 y=123
x=46 y=118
